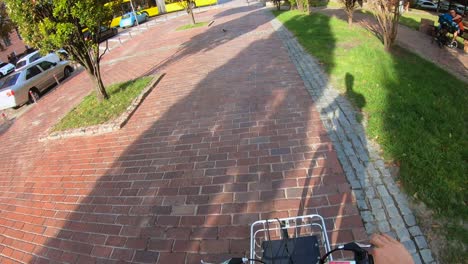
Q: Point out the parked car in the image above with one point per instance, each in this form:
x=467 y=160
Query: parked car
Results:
x=427 y=5
x=105 y=33
x=34 y=56
x=26 y=85
x=129 y=19
x=460 y=9
x=6 y=68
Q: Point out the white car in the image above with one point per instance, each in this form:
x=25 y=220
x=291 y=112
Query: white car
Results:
x=460 y=9
x=26 y=85
x=432 y=5
x=34 y=56
x=6 y=68
x=427 y=5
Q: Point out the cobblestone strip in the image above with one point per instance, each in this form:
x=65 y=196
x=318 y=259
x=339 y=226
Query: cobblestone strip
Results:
x=383 y=207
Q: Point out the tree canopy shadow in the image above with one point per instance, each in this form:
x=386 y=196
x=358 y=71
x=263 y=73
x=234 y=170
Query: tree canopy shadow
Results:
x=225 y=149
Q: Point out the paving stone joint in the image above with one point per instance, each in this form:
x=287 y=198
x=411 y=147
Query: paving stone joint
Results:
x=364 y=168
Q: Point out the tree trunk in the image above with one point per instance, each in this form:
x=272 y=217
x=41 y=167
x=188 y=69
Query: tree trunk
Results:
x=192 y=17
x=350 y=18
x=387 y=43
x=300 y=5
x=99 y=87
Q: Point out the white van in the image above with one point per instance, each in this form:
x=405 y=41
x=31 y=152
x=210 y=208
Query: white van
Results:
x=32 y=57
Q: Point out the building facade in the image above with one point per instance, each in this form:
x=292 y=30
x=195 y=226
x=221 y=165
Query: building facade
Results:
x=12 y=45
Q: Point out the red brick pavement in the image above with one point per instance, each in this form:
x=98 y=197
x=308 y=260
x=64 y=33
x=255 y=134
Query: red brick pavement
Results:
x=228 y=137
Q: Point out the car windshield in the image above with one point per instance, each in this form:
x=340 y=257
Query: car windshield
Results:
x=21 y=64
x=2 y=64
x=126 y=16
x=10 y=81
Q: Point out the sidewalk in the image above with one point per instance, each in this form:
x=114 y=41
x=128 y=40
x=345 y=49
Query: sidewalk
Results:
x=229 y=136
x=452 y=60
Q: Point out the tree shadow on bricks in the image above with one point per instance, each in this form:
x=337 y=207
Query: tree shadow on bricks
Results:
x=322 y=186
x=226 y=28
x=203 y=157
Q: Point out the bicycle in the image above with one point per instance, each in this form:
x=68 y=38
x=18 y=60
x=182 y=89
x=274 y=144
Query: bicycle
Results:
x=296 y=240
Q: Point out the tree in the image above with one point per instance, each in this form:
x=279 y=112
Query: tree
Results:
x=55 y=24
x=300 y=5
x=188 y=5
x=277 y=4
x=349 y=6
x=6 y=25
x=387 y=13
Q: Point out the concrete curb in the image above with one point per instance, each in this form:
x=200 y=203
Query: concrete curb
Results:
x=111 y=125
x=382 y=206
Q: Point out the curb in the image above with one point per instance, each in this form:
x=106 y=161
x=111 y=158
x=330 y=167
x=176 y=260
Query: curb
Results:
x=110 y=126
x=381 y=204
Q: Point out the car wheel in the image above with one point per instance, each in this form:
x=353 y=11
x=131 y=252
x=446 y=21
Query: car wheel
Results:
x=1 y=75
x=33 y=95
x=67 y=72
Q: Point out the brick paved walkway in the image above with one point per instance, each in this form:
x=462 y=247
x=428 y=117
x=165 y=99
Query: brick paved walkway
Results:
x=229 y=136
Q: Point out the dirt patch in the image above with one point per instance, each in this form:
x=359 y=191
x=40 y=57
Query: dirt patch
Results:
x=434 y=228
x=348 y=45
x=436 y=231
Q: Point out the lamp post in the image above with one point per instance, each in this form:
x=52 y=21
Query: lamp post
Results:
x=134 y=13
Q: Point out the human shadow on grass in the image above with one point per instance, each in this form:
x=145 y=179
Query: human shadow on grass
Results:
x=358 y=99
x=406 y=115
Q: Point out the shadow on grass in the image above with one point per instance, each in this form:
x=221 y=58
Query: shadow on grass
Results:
x=121 y=87
x=419 y=124
x=358 y=99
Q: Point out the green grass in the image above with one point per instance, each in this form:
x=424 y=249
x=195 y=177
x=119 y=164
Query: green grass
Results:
x=190 y=26
x=322 y=3
x=333 y=4
x=416 y=111
x=412 y=19
x=91 y=112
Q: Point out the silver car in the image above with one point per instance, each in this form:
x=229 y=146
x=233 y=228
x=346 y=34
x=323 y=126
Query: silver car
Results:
x=26 y=85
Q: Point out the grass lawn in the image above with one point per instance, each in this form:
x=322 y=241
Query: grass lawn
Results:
x=412 y=19
x=90 y=112
x=189 y=26
x=416 y=111
x=329 y=4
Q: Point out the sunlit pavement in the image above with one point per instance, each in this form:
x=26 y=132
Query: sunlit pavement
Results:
x=228 y=137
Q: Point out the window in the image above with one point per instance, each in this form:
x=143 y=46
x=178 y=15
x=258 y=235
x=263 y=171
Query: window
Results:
x=45 y=65
x=20 y=64
x=31 y=72
x=7 y=41
x=10 y=81
x=35 y=57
